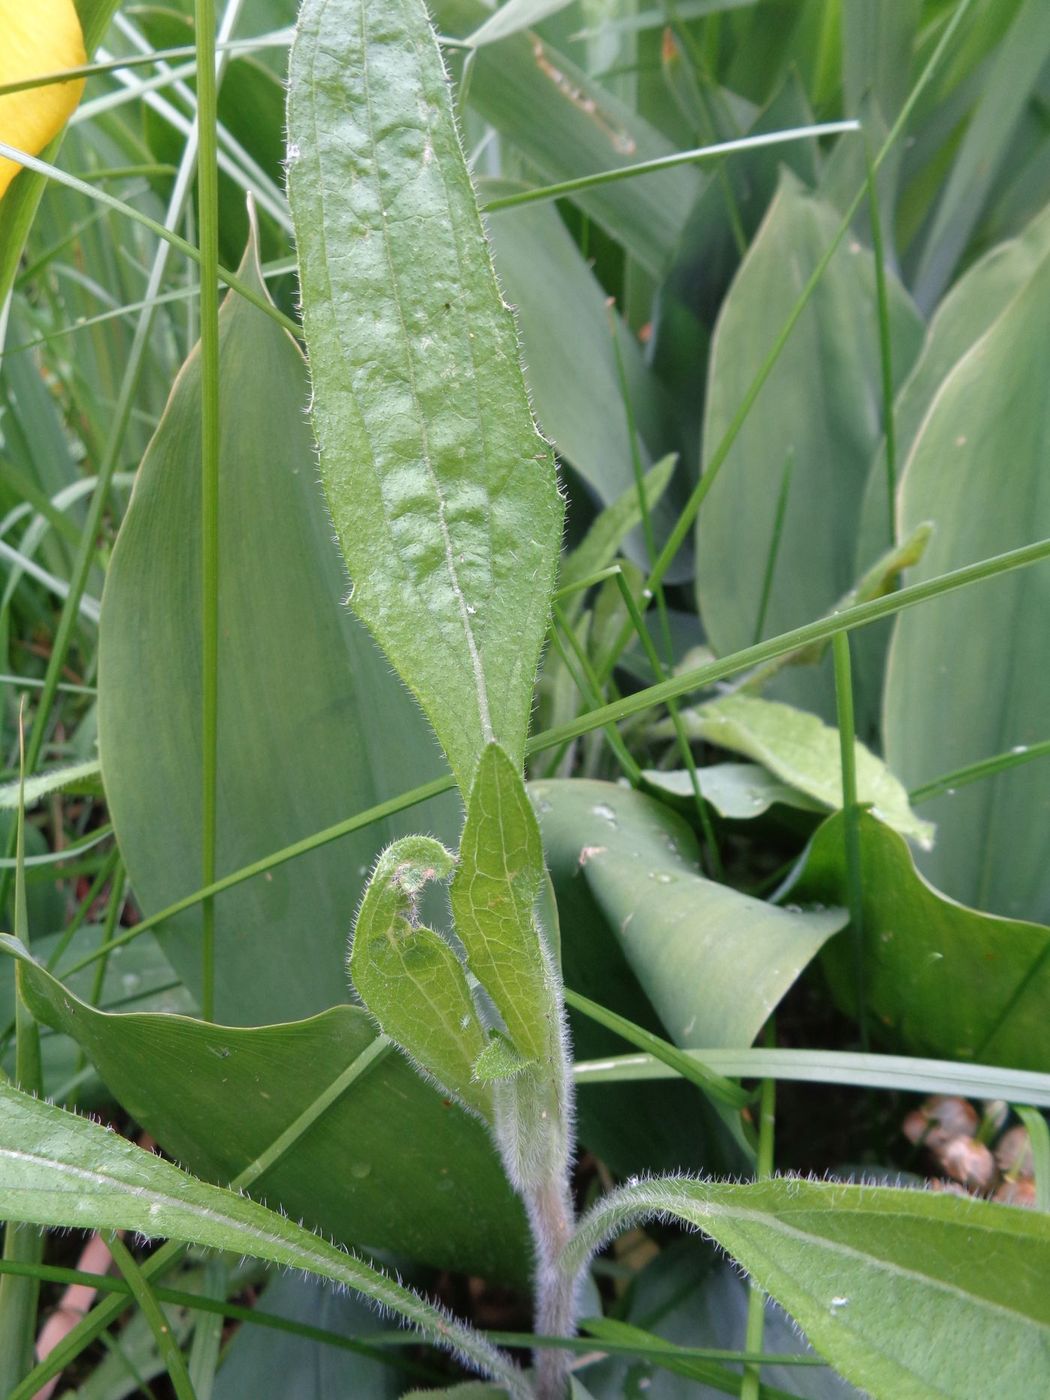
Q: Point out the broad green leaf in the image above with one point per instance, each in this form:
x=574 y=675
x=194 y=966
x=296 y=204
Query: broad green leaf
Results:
x=585 y=129
x=803 y=752
x=72 y=776
x=739 y=791
x=968 y=310
x=494 y=897
x=442 y=493
x=907 y=1293
x=713 y=962
x=386 y=1164
x=408 y=976
x=818 y=414
x=570 y=355
x=1004 y=93
x=970 y=678
x=58 y=1169
x=312 y=726
x=965 y=314
x=940 y=979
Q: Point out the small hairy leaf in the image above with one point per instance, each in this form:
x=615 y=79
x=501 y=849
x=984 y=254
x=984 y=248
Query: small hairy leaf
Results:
x=58 y=1169
x=498 y=1060
x=494 y=896
x=443 y=494
x=409 y=977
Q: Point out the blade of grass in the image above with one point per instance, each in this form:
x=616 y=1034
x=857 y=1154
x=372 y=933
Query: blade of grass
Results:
x=22 y=1243
x=170 y=1353
x=679 y=1061
x=275 y=39
x=586 y=683
x=774 y=544
x=192 y=292
x=848 y=759
x=706 y=1373
x=208 y=212
x=714 y=856
x=983 y=768
x=885 y=351
x=384 y=1350
x=1039 y=1137
x=647 y=167
x=896 y=1073
x=207 y=1334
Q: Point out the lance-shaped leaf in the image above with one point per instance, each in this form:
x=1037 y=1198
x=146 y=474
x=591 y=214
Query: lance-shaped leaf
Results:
x=908 y=1294
x=58 y=1169
x=494 y=896
x=443 y=495
x=409 y=977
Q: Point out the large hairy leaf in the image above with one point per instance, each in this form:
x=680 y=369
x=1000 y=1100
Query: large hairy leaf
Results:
x=312 y=726
x=386 y=1163
x=58 y=1169
x=969 y=678
x=908 y=1294
x=442 y=492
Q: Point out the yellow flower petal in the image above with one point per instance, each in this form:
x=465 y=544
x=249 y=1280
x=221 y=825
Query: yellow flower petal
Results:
x=37 y=37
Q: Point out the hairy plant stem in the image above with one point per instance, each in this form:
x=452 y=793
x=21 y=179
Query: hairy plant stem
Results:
x=535 y=1132
x=551 y=1217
